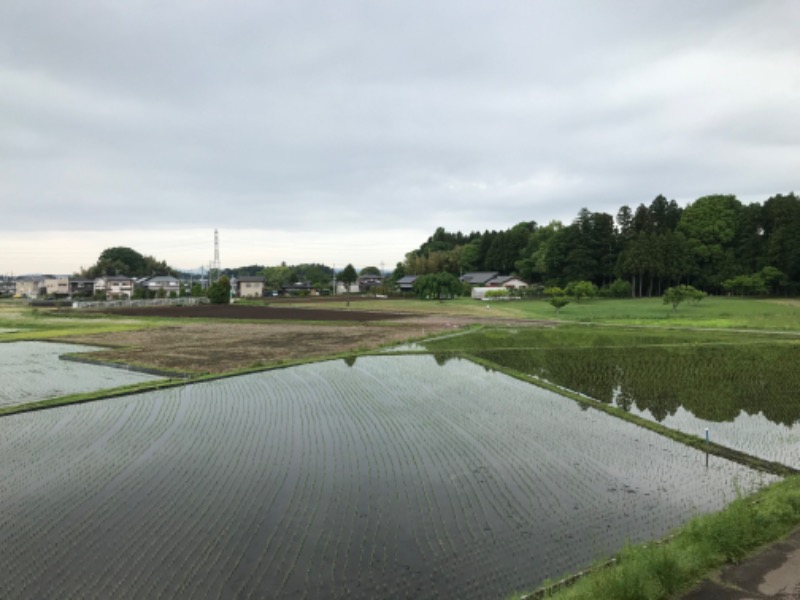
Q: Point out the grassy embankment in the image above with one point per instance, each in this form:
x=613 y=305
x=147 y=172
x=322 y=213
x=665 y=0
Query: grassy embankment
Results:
x=666 y=570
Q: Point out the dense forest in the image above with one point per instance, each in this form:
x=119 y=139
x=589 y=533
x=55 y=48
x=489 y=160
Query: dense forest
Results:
x=716 y=244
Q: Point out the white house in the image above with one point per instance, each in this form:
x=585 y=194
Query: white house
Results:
x=115 y=287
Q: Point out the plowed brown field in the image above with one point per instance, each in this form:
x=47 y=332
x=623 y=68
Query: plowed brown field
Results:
x=224 y=341
x=272 y=313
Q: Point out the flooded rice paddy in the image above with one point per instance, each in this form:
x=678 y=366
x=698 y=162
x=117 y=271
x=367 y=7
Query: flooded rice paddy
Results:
x=31 y=371
x=746 y=395
x=395 y=476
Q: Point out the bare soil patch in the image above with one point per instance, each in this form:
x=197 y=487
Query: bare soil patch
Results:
x=239 y=311
x=228 y=344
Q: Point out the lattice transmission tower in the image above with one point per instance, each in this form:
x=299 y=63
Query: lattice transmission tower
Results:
x=214 y=269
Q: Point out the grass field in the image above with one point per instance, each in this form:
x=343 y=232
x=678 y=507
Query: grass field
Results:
x=18 y=321
x=714 y=312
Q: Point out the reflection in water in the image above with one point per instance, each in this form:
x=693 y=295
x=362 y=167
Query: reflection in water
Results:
x=715 y=383
x=441 y=358
x=745 y=395
x=350 y=360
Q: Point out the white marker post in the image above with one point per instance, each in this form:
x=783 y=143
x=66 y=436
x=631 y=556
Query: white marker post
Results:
x=706 y=446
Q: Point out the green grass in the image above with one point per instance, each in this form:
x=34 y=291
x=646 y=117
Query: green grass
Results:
x=660 y=571
x=713 y=312
x=574 y=336
x=29 y=323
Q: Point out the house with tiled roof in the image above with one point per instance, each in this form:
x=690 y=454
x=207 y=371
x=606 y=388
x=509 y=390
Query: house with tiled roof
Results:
x=506 y=281
x=406 y=284
x=478 y=277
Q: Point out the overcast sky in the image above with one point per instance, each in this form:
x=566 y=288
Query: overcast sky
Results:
x=347 y=131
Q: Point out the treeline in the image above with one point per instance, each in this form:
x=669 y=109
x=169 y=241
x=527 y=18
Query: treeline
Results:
x=122 y=260
x=716 y=244
x=275 y=277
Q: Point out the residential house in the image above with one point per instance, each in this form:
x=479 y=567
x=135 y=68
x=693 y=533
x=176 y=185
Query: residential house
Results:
x=506 y=281
x=65 y=286
x=341 y=288
x=8 y=287
x=115 y=287
x=479 y=278
x=367 y=282
x=81 y=287
x=164 y=285
x=30 y=286
x=406 y=284
x=249 y=286
x=57 y=286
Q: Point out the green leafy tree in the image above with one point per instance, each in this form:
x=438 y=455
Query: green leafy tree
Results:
x=122 y=260
x=498 y=293
x=781 y=229
x=681 y=293
x=559 y=302
x=278 y=276
x=348 y=277
x=398 y=273
x=318 y=275
x=438 y=285
x=774 y=279
x=554 y=292
x=710 y=225
x=744 y=285
x=620 y=289
x=219 y=292
x=370 y=271
x=581 y=289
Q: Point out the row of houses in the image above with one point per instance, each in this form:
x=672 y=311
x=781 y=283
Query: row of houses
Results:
x=478 y=280
x=121 y=287
x=114 y=286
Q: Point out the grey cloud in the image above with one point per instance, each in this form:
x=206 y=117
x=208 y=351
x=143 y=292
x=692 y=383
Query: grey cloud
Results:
x=461 y=114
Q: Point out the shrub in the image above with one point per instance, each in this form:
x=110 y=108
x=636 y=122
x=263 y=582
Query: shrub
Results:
x=620 y=289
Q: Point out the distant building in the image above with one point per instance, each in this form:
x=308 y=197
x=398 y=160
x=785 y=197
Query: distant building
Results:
x=115 y=287
x=479 y=278
x=160 y=282
x=367 y=282
x=57 y=286
x=30 y=286
x=341 y=288
x=248 y=286
x=506 y=281
x=406 y=284
x=8 y=286
x=81 y=287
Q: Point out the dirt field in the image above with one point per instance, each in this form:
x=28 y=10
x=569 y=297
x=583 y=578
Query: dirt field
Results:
x=226 y=343
x=272 y=313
